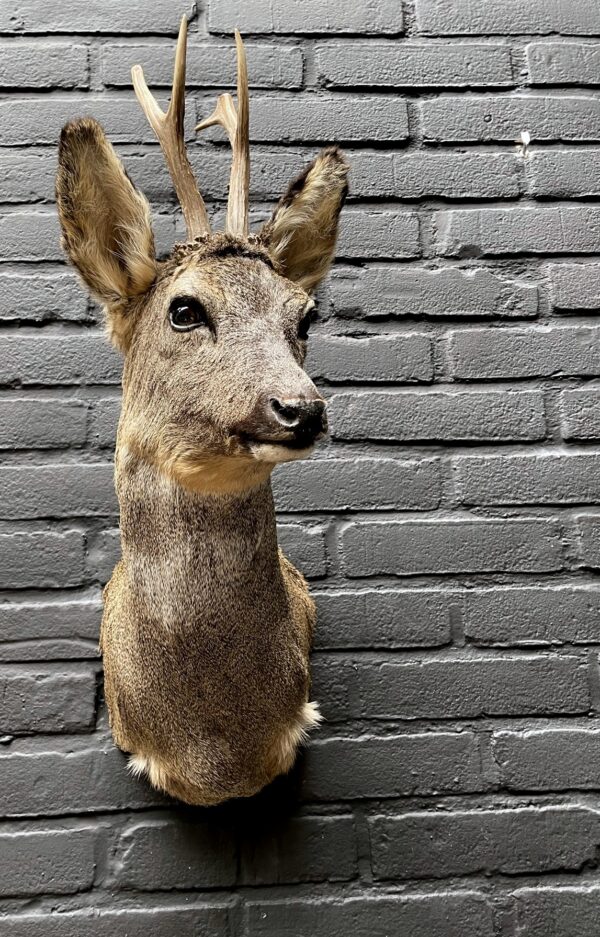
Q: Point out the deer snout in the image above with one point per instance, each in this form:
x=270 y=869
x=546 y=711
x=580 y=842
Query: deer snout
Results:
x=301 y=416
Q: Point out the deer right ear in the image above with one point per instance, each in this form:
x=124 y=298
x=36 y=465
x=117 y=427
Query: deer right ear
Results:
x=105 y=221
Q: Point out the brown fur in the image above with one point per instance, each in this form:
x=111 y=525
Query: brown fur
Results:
x=207 y=627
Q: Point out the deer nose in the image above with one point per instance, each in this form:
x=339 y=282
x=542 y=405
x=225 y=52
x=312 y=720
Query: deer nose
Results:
x=303 y=417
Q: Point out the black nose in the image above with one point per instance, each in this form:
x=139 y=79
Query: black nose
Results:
x=302 y=417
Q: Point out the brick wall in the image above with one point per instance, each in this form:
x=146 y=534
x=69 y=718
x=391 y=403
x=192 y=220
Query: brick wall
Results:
x=450 y=526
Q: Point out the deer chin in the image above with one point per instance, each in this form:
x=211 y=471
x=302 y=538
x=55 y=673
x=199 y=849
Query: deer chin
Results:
x=274 y=452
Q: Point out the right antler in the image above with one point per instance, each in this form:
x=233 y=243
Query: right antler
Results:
x=170 y=132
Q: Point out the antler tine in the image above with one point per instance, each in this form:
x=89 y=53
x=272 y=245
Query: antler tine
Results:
x=169 y=128
x=236 y=123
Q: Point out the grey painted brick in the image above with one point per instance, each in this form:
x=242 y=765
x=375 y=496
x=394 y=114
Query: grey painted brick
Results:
x=469 y=17
x=448 y=174
x=30 y=235
x=37 y=16
x=508 y=353
x=522 y=615
x=30 y=358
x=383 y=618
x=385 y=290
x=563 y=63
x=510 y=841
x=50 y=778
x=475 y=416
x=46 y=700
x=411 y=64
x=580 y=413
x=53 y=861
x=36 y=297
x=351 y=484
x=405 y=358
x=439 y=762
x=574 y=286
x=43 y=65
x=26 y=176
x=38 y=423
x=305 y=547
x=57 y=490
x=379 y=916
x=183 y=920
x=311 y=16
x=453 y=688
x=378 y=234
x=548 y=911
x=496 y=231
x=588 y=526
x=542 y=478
x=305 y=849
x=168 y=853
x=46 y=628
x=208 y=65
x=41 y=558
x=472 y=119
x=565 y=173
x=409 y=548
x=548 y=759
x=104 y=418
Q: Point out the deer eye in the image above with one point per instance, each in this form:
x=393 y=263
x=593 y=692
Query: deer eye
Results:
x=306 y=322
x=186 y=314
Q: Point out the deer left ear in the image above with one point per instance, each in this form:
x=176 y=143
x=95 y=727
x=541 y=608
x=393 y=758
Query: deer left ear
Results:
x=302 y=232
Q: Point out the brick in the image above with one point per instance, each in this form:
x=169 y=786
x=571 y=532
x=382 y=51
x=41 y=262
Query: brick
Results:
x=408 y=548
x=312 y=16
x=37 y=16
x=381 y=291
x=497 y=231
x=413 y=65
x=510 y=616
x=104 y=552
x=435 y=762
x=30 y=358
x=565 y=173
x=452 y=416
x=512 y=17
x=304 y=849
x=511 y=841
x=588 y=526
x=57 y=490
x=208 y=65
x=30 y=235
x=169 y=853
x=475 y=119
x=574 y=287
x=354 y=484
x=26 y=177
x=43 y=65
x=54 y=777
x=53 y=861
x=546 y=478
x=39 y=297
x=404 y=358
x=104 y=419
x=450 y=914
x=185 y=921
x=548 y=911
x=305 y=547
x=563 y=63
x=534 y=352
x=379 y=234
x=37 y=423
x=383 y=618
x=46 y=700
x=448 y=174
x=45 y=628
x=451 y=688
x=41 y=559
x=548 y=759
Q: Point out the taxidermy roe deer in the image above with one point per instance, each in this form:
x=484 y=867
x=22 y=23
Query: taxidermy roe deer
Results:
x=207 y=627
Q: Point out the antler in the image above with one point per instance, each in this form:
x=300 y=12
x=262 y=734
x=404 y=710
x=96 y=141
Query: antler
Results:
x=170 y=132
x=236 y=123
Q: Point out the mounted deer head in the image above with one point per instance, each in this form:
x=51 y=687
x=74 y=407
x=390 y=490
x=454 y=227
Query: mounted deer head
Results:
x=215 y=336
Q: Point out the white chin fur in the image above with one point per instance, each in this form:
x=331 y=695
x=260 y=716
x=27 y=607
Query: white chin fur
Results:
x=270 y=452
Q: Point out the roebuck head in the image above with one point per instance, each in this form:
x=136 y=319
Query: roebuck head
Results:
x=214 y=337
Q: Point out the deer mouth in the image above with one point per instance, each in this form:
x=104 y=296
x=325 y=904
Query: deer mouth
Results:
x=271 y=449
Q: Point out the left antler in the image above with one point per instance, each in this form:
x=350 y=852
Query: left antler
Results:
x=236 y=123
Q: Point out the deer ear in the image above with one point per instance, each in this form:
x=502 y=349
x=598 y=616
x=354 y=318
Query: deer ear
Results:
x=302 y=231
x=105 y=221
